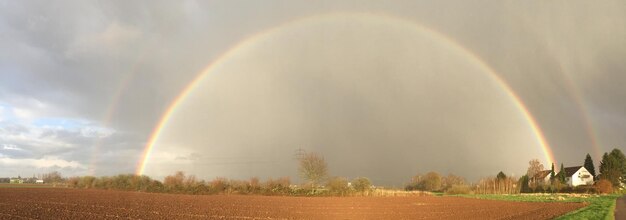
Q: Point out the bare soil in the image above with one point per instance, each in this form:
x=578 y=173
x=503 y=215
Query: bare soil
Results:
x=54 y=203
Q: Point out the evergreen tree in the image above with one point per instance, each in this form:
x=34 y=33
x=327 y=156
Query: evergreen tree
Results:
x=501 y=176
x=561 y=174
x=608 y=170
x=590 y=166
x=552 y=173
x=523 y=182
x=613 y=167
x=620 y=163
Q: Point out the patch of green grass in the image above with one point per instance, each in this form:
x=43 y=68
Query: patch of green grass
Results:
x=437 y=193
x=600 y=206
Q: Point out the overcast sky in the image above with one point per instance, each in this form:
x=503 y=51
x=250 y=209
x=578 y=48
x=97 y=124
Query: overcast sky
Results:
x=84 y=83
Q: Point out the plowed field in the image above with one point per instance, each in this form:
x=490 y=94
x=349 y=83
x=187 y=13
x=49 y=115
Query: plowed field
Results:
x=24 y=203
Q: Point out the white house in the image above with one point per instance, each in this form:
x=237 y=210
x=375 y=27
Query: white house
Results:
x=39 y=181
x=576 y=176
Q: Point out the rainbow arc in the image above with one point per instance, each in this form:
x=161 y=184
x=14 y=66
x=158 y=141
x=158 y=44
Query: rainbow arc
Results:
x=258 y=37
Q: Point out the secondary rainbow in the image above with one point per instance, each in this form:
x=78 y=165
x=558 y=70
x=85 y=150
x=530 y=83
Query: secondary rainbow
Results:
x=171 y=109
x=571 y=88
x=106 y=120
x=113 y=108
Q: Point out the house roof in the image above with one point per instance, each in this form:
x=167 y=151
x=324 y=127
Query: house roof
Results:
x=569 y=171
x=542 y=174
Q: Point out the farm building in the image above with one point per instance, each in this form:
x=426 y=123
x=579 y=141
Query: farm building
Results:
x=39 y=181
x=543 y=176
x=16 y=180
x=576 y=176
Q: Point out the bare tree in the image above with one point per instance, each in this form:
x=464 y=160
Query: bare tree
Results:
x=53 y=177
x=451 y=180
x=494 y=185
x=534 y=167
x=313 y=168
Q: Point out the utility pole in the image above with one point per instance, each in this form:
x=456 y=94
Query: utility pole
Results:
x=299 y=154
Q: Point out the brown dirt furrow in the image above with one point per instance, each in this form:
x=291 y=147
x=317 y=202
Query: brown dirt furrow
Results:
x=58 y=203
x=9 y=216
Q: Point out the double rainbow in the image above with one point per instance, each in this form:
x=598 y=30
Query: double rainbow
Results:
x=248 y=42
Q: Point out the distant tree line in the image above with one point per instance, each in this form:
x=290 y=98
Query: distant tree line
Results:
x=612 y=176
x=453 y=184
x=434 y=182
x=312 y=168
x=182 y=184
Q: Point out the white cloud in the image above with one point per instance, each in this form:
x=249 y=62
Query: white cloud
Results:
x=96 y=132
x=38 y=136
x=34 y=137
x=11 y=147
x=27 y=109
x=25 y=114
x=45 y=162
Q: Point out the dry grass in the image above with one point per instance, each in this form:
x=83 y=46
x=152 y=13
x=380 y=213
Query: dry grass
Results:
x=392 y=192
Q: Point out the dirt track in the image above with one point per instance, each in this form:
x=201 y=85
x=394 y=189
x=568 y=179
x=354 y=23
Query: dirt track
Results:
x=21 y=203
x=620 y=208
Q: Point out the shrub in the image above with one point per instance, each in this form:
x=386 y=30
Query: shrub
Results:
x=432 y=181
x=458 y=189
x=584 y=189
x=411 y=187
x=239 y=187
x=219 y=185
x=72 y=181
x=361 y=184
x=87 y=182
x=277 y=186
x=174 y=183
x=557 y=186
x=155 y=186
x=338 y=186
x=254 y=185
x=604 y=186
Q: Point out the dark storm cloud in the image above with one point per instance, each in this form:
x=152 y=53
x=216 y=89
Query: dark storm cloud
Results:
x=71 y=59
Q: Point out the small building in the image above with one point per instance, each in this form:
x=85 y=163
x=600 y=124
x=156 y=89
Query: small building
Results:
x=576 y=176
x=16 y=181
x=39 y=182
x=543 y=176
